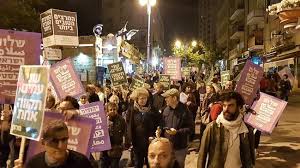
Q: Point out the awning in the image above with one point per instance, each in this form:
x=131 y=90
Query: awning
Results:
x=279 y=63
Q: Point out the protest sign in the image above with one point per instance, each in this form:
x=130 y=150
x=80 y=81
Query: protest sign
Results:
x=80 y=134
x=65 y=79
x=225 y=76
x=166 y=81
x=59 y=28
x=137 y=82
x=248 y=84
x=117 y=74
x=16 y=48
x=172 y=67
x=101 y=140
x=287 y=71
x=30 y=101
x=186 y=71
x=269 y=110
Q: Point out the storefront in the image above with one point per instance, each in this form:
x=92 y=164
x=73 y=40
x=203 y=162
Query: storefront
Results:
x=289 y=59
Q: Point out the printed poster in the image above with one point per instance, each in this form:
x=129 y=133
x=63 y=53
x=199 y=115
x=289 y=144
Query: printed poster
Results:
x=117 y=74
x=65 y=79
x=287 y=71
x=166 y=81
x=248 y=84
x=59 y=28
x=225 y=76
x=80 y=134
x=137 y=82
x=100 y=140
x=16 y=48
x=172 y=67
x=31 y=93
x=268 y=109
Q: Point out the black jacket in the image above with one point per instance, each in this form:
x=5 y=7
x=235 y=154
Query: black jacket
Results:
x=180 y=119
x=141 y=126
x=159 y=102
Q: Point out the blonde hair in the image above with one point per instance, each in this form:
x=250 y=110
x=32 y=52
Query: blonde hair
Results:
x=159 y=85
x=114 y=97
x=139 y=92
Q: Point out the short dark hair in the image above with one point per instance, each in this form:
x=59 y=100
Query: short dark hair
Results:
x=52 y=127
x=227 y=96
x=73 y=101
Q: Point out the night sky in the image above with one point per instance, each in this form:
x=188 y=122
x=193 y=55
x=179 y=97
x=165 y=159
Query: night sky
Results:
x=180 y=18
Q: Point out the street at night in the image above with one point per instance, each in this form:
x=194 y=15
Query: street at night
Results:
x=149 y=83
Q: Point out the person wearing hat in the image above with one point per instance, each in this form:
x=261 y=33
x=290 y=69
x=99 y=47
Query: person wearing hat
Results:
x=178 y=124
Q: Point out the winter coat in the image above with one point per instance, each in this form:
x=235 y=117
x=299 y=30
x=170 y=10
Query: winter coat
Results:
x=159 y=102
x=214 y=144
x=141 y=126
x=117 y=129
x=180 y=119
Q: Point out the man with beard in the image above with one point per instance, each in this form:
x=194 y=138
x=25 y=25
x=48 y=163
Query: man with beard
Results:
x=161 y=154
x=228 y=142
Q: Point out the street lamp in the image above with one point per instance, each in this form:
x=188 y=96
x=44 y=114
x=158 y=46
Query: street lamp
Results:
x=149 y=4
x=177 y=44
x=194 y=43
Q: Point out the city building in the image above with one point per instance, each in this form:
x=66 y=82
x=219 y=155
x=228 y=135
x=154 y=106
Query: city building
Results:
x=207 y=22
x=282 y=42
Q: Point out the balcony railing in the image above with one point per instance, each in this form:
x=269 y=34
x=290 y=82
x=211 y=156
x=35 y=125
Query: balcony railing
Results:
x=255 y=43
x=255 y=17
x=237 y=32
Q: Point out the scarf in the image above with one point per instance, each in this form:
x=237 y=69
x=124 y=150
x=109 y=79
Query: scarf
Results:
x=235 y=127
x=141 y=109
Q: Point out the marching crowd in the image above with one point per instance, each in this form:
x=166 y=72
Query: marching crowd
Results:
x=156 y=126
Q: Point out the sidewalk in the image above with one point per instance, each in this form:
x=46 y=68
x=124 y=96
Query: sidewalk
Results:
x=282 y=148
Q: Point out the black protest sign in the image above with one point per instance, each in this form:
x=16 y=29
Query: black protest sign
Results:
x=117 y=74
x=137 y=82
x=165 y=80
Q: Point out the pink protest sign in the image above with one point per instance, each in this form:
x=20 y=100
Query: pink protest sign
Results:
x=101 y=140
x=80 y=134
x=269 y=110
x=248 y=84
x=172 y=67
x=16 y=49
x=65 y=80
x=287 y=71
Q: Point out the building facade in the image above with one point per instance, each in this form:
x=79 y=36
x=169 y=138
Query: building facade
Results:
x=206 y=22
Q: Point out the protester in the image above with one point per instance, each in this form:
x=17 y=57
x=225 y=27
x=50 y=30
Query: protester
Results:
x=216 y=107
x=117 y=128
x=92 y=96
x=50 y=102
x=142 y=121
x=55 y=139
x=159 y=102
x=107 y=93
x=178 y=124
x=228 y=142
x=161 y=154
x=83 y=100
x=69 y=107
x=285 y=87
x=100 y=92
x=6 y=140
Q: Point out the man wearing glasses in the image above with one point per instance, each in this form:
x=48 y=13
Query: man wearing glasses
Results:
x=55 y=140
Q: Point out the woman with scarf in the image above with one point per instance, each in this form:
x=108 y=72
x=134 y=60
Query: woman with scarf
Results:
x=142 y=121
